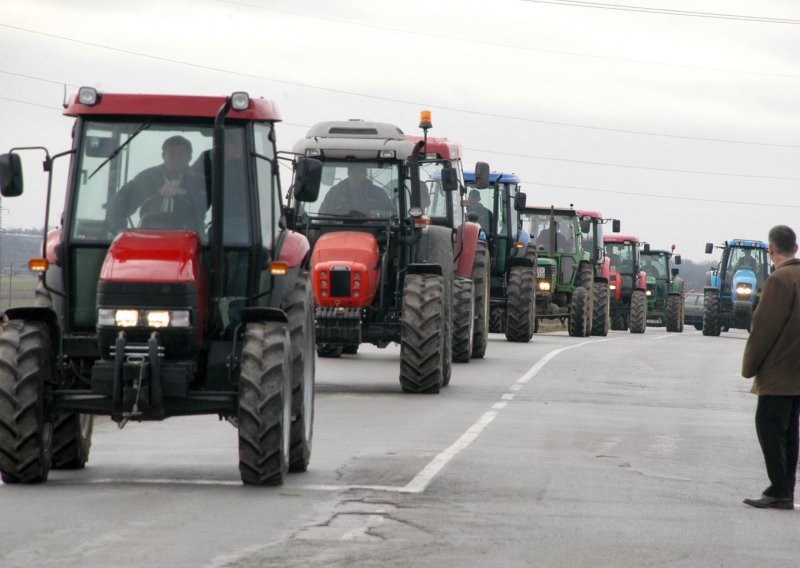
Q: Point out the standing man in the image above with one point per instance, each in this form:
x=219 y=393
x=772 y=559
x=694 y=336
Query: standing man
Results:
x=772 y=356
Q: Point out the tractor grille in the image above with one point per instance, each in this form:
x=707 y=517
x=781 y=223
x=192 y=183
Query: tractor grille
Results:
x=340 y=282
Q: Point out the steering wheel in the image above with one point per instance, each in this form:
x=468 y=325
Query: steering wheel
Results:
x=177 y=212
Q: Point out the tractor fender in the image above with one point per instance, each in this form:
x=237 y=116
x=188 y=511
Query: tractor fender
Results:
x=603 y=271
x=44 y=314
x=519 y=261
x=435 y=246
x=615 y=285
x=641 y=281
x=467 y=236
x=257 y=314
x=676 y=287
x=424 y=269
x=712 y=279
x=294 y=248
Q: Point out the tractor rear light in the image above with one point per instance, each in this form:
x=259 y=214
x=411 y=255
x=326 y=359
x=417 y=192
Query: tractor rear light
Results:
x=88 y=96
x=37 y=264
x=126 y=318
x=278 y=267
x=240 y=100
x=158 y=318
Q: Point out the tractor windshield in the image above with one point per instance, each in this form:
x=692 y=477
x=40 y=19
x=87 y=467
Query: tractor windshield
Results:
x=544 y=229
x=357 y=189
x=739 y=258
x=621 y=255
x=434 y=198
x=655 y=264
x=481 y=202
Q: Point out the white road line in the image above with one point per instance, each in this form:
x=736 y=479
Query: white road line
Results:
x=507 y=396
x=499 y=405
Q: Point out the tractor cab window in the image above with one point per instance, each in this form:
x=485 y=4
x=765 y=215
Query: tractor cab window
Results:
x=621 y=256
x=434 y=199
x=356 y=189
x=654 y=265
x=543 y=230
x=481 y=202
x=746 y=258
x=138 y=175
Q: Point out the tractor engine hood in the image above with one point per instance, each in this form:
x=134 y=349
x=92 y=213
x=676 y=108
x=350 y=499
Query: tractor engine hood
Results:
x=153 y=280
x=743 y=285
x=345 y=269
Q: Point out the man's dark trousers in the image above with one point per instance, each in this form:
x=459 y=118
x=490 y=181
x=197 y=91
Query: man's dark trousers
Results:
x=777 y=429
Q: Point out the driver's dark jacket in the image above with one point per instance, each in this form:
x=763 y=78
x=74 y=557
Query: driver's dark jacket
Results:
x=342 y=198
x=147 y=184
x=772 y=352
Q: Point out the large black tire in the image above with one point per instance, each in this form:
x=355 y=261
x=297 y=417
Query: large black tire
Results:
x=265 y=404
x=480 y=282
x=521 y=310
x=711 y=324
x=618 y=320
x=26 y=362
x=600 y=308
x=72 y=440
x=463 y=319
x=350 y=349
x=638 y=315
x=299 y=307
x=329 y=351
x=497 y=320
x=580 y=312
x=422 y=335
x=674 y=319
x=698 y=326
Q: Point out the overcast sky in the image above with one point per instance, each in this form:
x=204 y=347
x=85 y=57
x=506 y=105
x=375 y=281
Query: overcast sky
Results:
x=686 y=128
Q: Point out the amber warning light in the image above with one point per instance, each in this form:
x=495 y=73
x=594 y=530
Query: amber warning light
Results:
x=425 y=119
x=37 y=264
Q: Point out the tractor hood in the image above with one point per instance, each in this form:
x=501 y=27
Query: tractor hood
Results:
x=153 y=256
x=345 y=268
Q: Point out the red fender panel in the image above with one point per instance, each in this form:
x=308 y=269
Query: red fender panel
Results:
x=345 y=269
x=294 y=249
x=467 y=234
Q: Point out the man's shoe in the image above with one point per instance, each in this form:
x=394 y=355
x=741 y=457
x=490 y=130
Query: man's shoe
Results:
x=765 y=502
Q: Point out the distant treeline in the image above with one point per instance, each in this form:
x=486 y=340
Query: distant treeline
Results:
x=17 y=246
x=694 y=273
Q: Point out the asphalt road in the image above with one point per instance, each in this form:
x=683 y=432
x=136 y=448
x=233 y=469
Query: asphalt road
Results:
x=630 y=450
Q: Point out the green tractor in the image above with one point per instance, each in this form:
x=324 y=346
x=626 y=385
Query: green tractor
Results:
x=565 y=273
x=513 y=272
x=665 y=289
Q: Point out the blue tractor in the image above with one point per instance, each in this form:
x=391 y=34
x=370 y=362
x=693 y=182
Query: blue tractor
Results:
x=513 y=271
x=733 y=288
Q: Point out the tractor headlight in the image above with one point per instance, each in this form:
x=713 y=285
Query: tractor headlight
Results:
x=612 y=286
x=544 y=286
x=151 y=318
x=743 y=290
x=126 y=318
x=649 y=293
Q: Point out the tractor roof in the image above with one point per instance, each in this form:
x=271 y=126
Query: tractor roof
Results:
x=494 y=177
x=620 y=239
x=746 y=243
x=443 y=148
x=355 y=139
x=118 y=104
x=545 y=210
x=592 y=214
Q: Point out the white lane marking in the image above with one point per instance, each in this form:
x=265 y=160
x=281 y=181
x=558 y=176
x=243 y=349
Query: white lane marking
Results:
x=515 y=387
x=533 y=371
x=499 y=405
x=507 y=396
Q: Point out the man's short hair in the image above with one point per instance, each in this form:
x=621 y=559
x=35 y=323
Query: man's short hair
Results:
x=177 y=140
x=782 y=239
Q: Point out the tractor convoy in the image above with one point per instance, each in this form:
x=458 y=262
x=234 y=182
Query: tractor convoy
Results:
x=185 y=278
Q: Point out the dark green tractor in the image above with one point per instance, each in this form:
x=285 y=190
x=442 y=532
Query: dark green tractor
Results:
x=665 y=289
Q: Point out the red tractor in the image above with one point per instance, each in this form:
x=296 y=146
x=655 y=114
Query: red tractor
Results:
x=627 y=284
x=592 y=242
x=169 y=289
x=384 y=264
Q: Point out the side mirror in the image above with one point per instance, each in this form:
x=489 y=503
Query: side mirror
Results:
x=10 y=175
x=709 y=248
x=520 y=201
x=646 y=247
x=675 y=272
x=586 y=225
x=615 y=225
x=677 y=259
x=450 y=179
x=307 y=177
x=481 y=175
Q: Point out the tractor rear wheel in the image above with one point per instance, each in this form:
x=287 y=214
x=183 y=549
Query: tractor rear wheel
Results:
x=481 y=281
x=329 y=351
x=72 y=440
x=422 y=335
x=579 y=314
x=265 y=404
x=638 y=315
x=26 y=363
x=600 y=308
x=497 y=320
x=618 y=319
x=463 y=319
x=350 y=349
x=521 y=311
x=711 y=324
x=299 y=307
x=674 y=319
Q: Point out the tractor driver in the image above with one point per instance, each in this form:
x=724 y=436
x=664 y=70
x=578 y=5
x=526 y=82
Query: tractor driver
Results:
x=747 y=261
x=169 y=192
x=475 y=206
x=651 y=268
x=357 y=194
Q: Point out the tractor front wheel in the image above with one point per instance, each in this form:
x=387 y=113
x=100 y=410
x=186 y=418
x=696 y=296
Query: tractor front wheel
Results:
x=26 y=436
x=579 y=314
x=638 y=316
x=463 y=319
x=674 y=320
x=521 y=310
x=72 y=440
x=600 y=308
x=711 y=324
x=422 y=335
x=265 y=404
x=481 y=281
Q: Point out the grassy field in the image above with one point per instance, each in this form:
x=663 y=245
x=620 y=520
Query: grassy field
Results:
x=17 y=290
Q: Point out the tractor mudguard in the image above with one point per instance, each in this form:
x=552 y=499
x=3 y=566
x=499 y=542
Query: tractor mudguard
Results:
x=259 y=314
x=467 y=236
x=519 y=261
x=676 y=287
x=435 y=246
x=603 y=272
x=641 y=281
x=425 y=268
x=43 y=314
x=294 y=248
